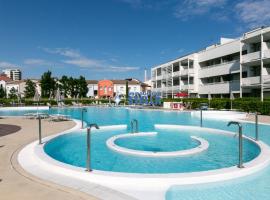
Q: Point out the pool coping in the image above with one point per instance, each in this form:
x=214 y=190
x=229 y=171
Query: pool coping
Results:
x=203 y=145
x=140 y=186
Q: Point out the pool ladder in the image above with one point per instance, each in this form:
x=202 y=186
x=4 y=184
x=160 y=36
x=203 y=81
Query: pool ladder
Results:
x=240 y=142
x=134 y=129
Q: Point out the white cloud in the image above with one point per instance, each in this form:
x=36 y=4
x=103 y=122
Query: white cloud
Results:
x=254 y=13
x=63 y=52
x=83 y=62
x=4 y=64
x=190 y=8
x=34 y=61
x=73 y=57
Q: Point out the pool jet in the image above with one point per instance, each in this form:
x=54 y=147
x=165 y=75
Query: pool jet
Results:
x=240 y=135
x=88 y=160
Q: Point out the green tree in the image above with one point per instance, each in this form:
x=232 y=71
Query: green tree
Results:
x=30 y=89
x=65 y=85
x=82 y=87
x=12 y=93
x=48 y=84
x=2 y=92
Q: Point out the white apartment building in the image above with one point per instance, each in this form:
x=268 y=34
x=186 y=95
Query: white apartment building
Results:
x=13 y=74
x=92 y=86
x=119 y=86
x=234 y=66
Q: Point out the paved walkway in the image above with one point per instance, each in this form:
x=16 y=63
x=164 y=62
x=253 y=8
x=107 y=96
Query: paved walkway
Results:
x=261 y=118
x=15 y=183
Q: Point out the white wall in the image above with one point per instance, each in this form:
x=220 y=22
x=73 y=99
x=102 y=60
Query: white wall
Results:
x=120 y=89
x=91 y=89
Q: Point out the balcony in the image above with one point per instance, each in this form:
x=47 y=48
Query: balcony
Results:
x=254 y=81
x=221 y=69
x=251 y=81
x=250 y=57
x=266 y=54
x=176 y=74
x=220 y=88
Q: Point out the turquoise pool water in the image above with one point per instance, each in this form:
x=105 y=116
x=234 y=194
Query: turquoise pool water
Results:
x=253 y=187
x=161 y=142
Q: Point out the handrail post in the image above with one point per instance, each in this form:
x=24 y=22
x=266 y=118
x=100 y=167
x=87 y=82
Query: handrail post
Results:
x=240 y=143
x=240 y=165
x=201 y=117
x=39 y=129
x=83 y=110
x=131 y=127
x=256 y=127
x=88 y=160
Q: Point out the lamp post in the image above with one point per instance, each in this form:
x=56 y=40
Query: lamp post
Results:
x=231 y=99
x=127 y=80
x=209 y=99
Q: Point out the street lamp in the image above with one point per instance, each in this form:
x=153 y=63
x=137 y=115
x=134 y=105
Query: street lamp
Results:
x=231 y=98
x=127 y=80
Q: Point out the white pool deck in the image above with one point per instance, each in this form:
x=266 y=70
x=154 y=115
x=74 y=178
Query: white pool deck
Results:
x=140 y=186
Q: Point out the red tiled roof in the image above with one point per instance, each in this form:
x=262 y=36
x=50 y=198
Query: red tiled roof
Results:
x=4 y=78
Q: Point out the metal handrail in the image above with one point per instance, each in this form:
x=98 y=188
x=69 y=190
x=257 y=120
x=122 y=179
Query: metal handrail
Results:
x=136 y=126
x=88 y=141
x=83 y=111
x=240 y=143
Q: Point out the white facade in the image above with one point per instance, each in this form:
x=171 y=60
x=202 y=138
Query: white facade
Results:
x=92 y=90
x=120 y=89
x=13 y=74
x=235 y=66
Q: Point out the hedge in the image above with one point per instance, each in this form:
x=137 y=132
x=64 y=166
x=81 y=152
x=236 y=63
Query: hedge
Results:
x=242 y=104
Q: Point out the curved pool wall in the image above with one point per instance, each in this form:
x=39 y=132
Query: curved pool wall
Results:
x=255 y=186
x=222 y=151
x=144 y=148
x=141 y=186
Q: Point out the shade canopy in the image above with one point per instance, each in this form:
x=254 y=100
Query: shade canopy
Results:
x=181 y=94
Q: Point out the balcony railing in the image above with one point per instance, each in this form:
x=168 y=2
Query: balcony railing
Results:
x=251 y=57
x=255 y=80
x=220 y=69
x=266 y=53
x=219 y=88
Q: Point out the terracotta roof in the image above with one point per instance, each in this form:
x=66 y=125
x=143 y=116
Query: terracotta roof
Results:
x=16 y=82
x=4 y=78
x=91 y=81
x=133 y=82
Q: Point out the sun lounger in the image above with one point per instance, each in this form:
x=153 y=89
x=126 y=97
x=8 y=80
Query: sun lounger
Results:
x=59 y=117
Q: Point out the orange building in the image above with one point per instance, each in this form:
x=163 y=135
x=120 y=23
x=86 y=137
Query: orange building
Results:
x=105 y=89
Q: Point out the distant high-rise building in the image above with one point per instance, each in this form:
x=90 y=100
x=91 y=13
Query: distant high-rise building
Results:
x=14 y=74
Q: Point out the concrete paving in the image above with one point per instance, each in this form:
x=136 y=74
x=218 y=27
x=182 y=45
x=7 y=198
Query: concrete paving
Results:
x=15 y=183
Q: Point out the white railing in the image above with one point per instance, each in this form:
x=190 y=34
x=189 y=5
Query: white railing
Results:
x=219 y=88
x=220 y=69
x=251 y=56
x=266 y=53
x=255 y=80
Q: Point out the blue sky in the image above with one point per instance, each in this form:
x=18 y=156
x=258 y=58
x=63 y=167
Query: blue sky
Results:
x=111 y=39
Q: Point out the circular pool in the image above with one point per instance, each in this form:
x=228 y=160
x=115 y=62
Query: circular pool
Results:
x=221 y=152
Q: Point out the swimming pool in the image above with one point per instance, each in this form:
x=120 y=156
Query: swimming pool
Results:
x=222 y=149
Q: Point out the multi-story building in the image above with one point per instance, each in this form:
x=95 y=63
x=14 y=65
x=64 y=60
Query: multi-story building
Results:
x=13 y=74
x=92 y=86
x=111 y=88
x=238 y=67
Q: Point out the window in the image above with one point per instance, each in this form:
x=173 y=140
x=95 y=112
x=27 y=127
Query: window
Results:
x=158 y=71
x=244 y=74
